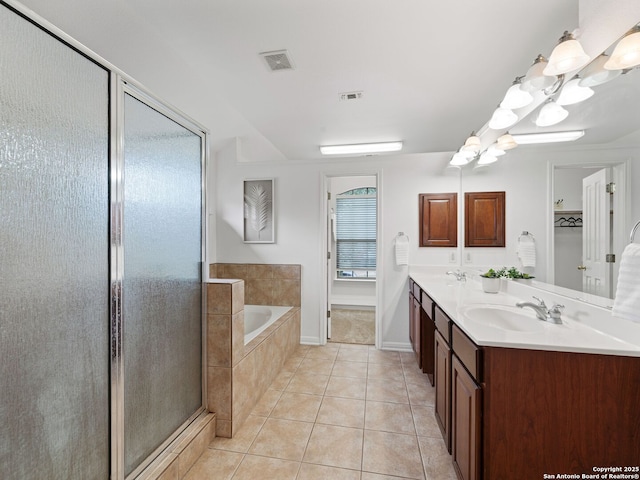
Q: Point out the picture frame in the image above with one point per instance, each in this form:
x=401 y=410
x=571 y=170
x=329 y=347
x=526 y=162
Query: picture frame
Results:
x=259 y=211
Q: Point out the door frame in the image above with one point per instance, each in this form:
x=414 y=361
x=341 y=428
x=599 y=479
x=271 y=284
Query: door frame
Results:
x=324 y=214
x=620 y=175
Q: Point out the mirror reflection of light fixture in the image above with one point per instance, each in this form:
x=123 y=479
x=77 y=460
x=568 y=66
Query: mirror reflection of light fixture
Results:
x=494 y=151
x=535 y=80
x=627 y=51
x=486 y=158
x=566 y=57
x=472 y=144
x=550 y=114
x=596 y=74
x=506 y=142
x=516 y=97
x=361 y=148
x=573 y=93
x=461 y=158
x=548 y=137
x=502 y=118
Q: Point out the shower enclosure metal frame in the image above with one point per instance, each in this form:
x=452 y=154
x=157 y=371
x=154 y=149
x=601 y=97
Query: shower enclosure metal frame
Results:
x=119 y=85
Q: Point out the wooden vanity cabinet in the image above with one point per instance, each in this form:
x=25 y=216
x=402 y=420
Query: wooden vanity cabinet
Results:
x=466 y=407
x=415 y=320
x=427 y=336
x=442 y=375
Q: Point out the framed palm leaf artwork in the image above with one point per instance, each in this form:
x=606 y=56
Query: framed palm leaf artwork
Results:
x=259 y=211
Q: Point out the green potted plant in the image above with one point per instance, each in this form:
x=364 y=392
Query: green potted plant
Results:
x=491 y=280
x=514 y=273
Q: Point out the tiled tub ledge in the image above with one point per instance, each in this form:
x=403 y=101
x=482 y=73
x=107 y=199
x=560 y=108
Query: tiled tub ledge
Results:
x=238 y=374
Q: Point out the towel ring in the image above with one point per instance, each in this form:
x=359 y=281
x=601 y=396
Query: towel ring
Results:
x=633 y=232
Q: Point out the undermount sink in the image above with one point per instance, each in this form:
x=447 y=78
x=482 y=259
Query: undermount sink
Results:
x=503 y=317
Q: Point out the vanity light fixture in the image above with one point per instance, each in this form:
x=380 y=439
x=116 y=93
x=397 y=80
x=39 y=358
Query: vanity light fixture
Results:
x=567 y=56
x=573 y=93
x=506 y=142
x=494 y=151
x=516 y=97
x=460 y=158
x=472 y=144
x=361 y=148
x=486 y=158
x=547 y=137
x=535 y=80
x=596 y=73
x=627 y=51
x=550 y=114
x=502 y=118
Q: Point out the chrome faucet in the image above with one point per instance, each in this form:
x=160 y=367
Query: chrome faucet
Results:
x=460 y=276
x=552 y=315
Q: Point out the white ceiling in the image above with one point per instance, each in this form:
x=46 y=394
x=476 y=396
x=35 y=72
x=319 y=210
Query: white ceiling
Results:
x=430 y=71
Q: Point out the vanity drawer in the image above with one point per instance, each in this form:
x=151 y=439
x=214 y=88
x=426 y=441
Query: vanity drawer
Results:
x=416 y=290
x=467 y=351
x=427 y=305
x=442 y=324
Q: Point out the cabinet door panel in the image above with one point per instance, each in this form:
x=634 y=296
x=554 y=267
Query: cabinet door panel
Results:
x=442 y=370
x=438 y=219
x=465 y=422
x=484 y=219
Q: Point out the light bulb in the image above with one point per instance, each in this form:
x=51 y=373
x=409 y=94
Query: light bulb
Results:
x=627 y=52
x=516 y=97
x=573 y=93
x=550 y=114
x=566 y=57
x=502 y=118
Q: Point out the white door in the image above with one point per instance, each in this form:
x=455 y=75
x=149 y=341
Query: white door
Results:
x=330 y=235
x=596 y=236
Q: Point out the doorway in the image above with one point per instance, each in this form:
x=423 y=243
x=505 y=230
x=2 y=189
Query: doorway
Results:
x=352 y=267
x=588 y=214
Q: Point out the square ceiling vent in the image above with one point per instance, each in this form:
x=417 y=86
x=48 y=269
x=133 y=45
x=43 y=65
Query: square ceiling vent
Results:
x=277 y=60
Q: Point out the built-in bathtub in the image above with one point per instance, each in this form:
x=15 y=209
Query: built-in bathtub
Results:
x=257 y=318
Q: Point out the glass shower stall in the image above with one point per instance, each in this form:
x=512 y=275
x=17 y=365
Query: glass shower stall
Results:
x=101 y=262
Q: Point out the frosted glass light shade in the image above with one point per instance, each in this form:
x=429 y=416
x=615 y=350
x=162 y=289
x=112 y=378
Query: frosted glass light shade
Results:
x=566 y=57
x=627 y=52
x=486 y=158
x=459 y=159
x=550 y=114
x=573 y=93
x=494 y=151
x=502 y=118
x=516 y=97
x=506 y=142
x=535 y=79
x=596 y=73
x=472 y=144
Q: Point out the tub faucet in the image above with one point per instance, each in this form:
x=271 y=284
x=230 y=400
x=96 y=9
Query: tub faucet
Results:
x=552 y=315
x=460 y=276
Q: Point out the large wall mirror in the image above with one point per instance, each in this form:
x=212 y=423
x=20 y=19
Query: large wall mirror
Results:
x=549 y=193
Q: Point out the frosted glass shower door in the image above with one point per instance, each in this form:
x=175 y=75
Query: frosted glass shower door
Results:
x=162 y=286
x=54 y=258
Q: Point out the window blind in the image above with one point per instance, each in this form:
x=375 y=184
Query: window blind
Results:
x=356 y=233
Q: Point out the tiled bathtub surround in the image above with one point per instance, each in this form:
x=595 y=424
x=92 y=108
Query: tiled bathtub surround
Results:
x=264 y=284
x=238 y=374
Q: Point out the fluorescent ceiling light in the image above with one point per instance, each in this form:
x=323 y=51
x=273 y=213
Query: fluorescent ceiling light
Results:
x=548 y=137
x=361 y=148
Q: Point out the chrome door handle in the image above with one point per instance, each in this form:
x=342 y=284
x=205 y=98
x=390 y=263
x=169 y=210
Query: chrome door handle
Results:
x=581 y=267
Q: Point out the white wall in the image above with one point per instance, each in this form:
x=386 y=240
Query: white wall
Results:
x=300 y=225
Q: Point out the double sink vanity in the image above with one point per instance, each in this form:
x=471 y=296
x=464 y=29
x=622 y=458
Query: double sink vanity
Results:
x=518 y=397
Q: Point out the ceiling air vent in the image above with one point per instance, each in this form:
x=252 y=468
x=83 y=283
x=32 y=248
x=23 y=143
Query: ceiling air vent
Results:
x=277 y=60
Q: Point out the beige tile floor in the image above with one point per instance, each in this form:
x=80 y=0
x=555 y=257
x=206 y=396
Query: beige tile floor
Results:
x=336 y=412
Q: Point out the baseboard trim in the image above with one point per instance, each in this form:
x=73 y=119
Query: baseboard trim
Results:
x=310 y=340
x=397 y=346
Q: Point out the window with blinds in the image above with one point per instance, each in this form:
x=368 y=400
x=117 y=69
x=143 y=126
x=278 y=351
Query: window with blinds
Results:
x=356 y=233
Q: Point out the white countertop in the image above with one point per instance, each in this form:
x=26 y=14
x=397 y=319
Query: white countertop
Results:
x=585 y=329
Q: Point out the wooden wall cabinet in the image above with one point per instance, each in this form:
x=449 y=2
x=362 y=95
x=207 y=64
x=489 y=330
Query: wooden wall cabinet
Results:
x=484 y=219
x=438 y=219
